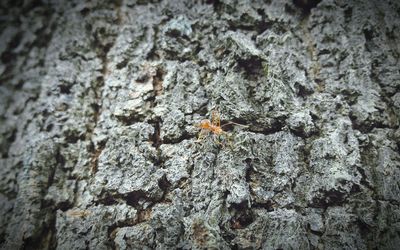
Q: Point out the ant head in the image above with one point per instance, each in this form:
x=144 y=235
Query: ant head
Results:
x=205 y=123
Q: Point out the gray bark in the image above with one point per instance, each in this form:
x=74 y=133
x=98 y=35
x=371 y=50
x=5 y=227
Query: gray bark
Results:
x=99 y=106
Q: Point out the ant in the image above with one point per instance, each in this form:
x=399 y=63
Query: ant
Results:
x=214 y=126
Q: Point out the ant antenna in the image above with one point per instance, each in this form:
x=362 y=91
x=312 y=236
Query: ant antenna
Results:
x=246 y=126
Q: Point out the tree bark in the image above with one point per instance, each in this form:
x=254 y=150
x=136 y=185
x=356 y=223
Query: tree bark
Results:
x=100 y=104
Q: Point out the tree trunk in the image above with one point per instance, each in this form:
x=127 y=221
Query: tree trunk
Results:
x=100 y=106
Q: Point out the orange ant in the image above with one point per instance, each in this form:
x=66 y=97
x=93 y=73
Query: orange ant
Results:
x=214 y=126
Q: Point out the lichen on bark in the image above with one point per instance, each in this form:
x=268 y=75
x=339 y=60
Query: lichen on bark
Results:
x=99 y=102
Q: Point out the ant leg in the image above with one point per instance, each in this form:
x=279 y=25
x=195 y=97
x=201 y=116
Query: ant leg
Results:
x=229 y=140
x=215 y=118
x=201 y=135
x=217 y=141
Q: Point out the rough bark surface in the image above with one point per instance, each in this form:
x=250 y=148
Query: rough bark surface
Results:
x=99 y=103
